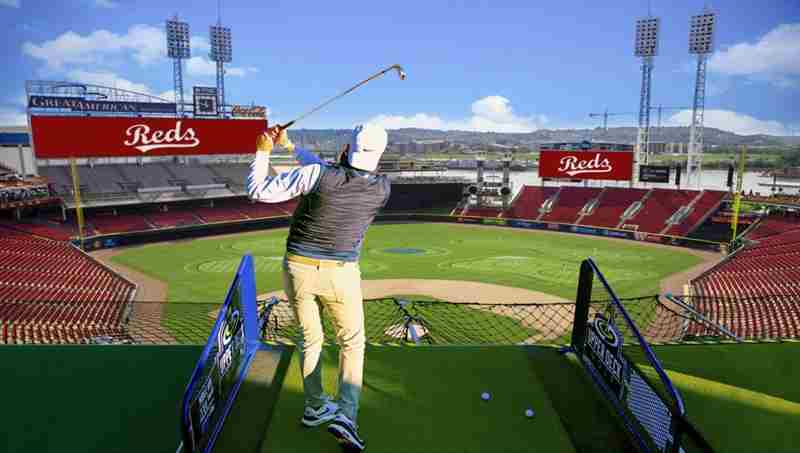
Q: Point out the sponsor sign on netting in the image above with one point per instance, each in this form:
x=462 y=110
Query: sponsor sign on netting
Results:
x=624 y=367
x=222 y=365
x=134 y=136
x=586 y=164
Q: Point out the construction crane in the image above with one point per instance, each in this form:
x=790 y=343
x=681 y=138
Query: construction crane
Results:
x=605 y=116
x=660 y=108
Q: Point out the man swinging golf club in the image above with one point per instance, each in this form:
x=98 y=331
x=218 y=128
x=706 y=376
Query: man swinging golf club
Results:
x=339 y=202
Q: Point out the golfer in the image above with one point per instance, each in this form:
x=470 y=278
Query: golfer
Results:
x=338 y=203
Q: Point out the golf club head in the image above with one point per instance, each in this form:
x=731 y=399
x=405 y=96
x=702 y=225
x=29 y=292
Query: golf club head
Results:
x=400 y=71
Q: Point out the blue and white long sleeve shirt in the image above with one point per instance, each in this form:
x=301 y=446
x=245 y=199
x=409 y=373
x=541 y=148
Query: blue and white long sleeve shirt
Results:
x=285 y=186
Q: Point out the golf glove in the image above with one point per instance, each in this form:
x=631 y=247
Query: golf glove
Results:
x=264 y=143
x=283 y=140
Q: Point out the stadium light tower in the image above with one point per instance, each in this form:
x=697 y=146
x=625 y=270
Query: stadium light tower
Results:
x=221 y=53
x=646 y=49
x=178 y=49
x=701 y=43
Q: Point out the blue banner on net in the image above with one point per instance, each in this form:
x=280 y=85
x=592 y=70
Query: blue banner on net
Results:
x=223 y=364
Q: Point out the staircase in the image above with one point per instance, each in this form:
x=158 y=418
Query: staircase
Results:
x=634 y=209
x=547 y=206
x=681 y=214
x=590 y=207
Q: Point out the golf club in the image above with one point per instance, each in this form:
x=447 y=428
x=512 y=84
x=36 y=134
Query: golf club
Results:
x=400 y=72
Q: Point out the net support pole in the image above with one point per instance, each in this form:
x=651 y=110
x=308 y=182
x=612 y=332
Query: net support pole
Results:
x=582 y=299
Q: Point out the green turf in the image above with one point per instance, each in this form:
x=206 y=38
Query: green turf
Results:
x=200 y=270
x=744 y=397
x=428 y=400
x=103 y=399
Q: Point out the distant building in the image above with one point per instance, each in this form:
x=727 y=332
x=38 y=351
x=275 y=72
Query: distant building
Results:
x=421 y=146
x=571 y=146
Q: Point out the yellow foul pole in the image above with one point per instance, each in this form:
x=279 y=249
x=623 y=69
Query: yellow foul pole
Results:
x=737 y=199
x=76 y=191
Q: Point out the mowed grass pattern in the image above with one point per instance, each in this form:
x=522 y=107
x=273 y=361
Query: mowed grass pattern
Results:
x=200 y=270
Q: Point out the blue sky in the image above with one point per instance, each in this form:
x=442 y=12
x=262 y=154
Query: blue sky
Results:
x=499 y=65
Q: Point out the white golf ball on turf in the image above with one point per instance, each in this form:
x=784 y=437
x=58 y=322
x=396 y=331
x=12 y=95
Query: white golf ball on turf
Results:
x=485 y=396
x=529 y=413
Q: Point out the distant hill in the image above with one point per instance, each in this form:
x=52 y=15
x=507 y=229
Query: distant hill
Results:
x=333 y=138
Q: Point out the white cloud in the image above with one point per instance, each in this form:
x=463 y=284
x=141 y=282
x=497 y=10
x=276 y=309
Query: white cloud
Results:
x=105 y=4
x=12 y=117
x=145 y=44
x=107 y=78
x=110 y=79
x=200 y=67
x=774 y=57
x=11 y=3
x=240 y=72
x=489 y=114
x=203 y=67
x=169 y=95
x=731 y=121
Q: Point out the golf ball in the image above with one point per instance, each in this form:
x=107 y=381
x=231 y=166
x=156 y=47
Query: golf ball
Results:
x=485 y=396
x=529 y=413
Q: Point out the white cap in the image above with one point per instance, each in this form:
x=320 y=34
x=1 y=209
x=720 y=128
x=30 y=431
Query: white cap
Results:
x=367 y=146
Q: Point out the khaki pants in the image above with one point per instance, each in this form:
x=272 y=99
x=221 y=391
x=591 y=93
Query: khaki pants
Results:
x=337 y=286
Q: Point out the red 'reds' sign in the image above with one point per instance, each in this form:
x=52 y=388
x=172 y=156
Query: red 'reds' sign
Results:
x=586 y=164
x=69 y=136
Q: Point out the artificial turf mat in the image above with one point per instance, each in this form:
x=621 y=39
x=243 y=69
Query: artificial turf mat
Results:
x=103 y=399
x=427 y=399
x=743 y=397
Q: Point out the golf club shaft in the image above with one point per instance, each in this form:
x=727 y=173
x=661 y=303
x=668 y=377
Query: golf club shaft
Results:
x=340 y=95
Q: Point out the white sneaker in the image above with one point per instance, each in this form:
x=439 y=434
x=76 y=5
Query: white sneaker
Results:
x=323 y=414
x=346 y=433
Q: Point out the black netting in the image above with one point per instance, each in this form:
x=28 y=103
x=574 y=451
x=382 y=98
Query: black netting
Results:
x=399 y=321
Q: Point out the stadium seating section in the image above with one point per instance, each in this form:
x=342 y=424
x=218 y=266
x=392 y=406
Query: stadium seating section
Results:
x=705 y=206
x=569 y=203
x=105 y=180
x=658 y=206
x=52 y=292
x=108 y=221
x=755 y=291
x=613 y=203
x=529 y=200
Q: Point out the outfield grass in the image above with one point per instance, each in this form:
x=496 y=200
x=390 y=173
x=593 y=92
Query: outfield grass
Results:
x=200 y=270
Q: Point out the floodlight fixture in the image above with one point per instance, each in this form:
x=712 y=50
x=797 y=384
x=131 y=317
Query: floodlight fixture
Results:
x=221 y=48
x=647 y=37
x=178 y=39
x=701 y=33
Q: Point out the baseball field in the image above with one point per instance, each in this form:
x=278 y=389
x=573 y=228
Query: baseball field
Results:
x=542 y=262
